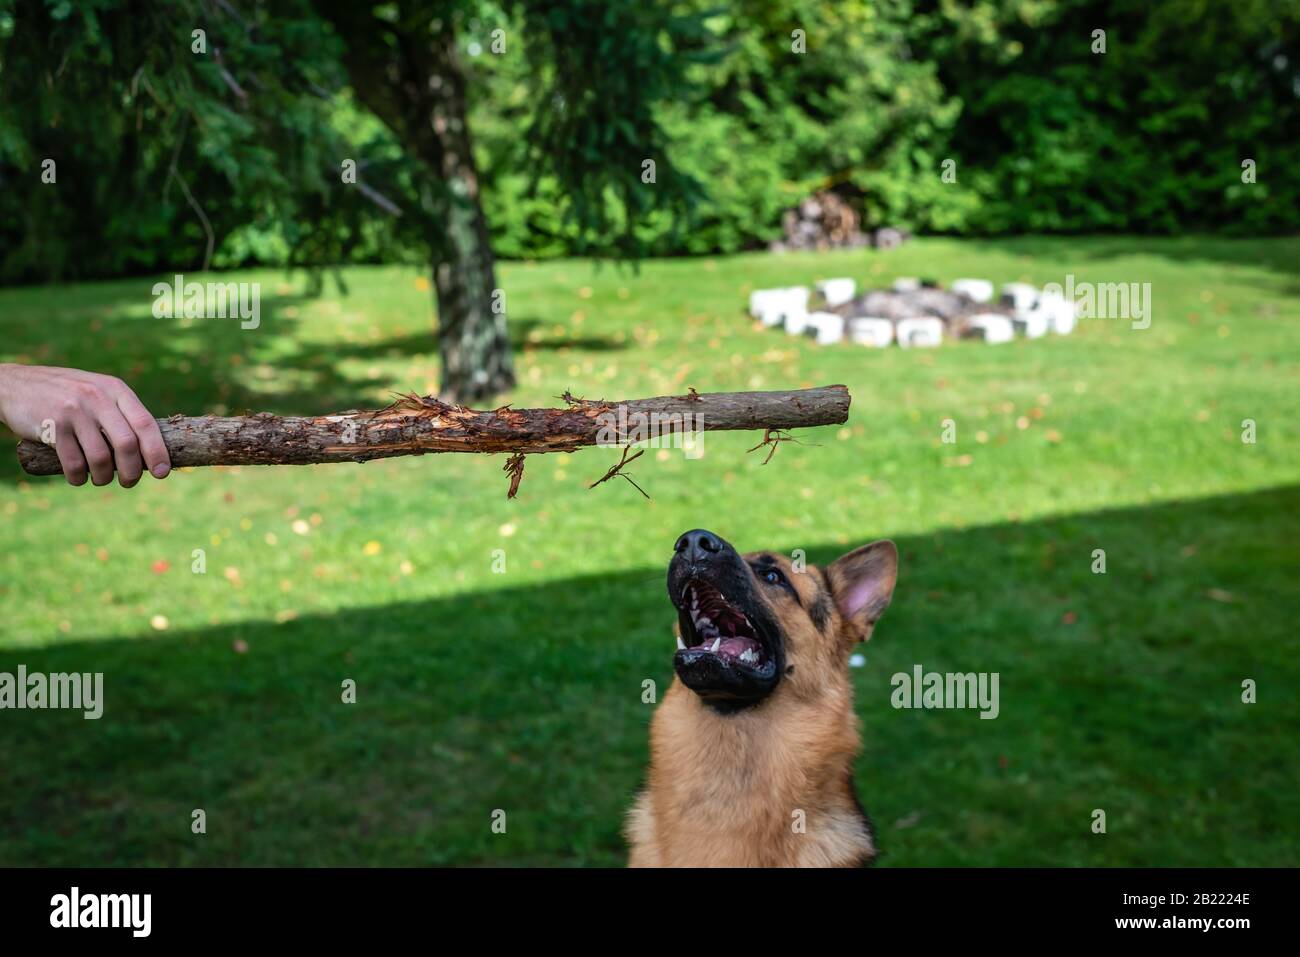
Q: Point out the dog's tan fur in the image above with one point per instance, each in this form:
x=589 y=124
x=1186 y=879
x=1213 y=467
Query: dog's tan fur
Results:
x=725 y=789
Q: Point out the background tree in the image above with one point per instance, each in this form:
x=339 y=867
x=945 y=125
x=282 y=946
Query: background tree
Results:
x=228 y=117
x=598 y=69
x=168 y=158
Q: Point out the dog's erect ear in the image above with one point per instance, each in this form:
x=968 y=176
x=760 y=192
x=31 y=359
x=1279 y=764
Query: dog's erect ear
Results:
x=863 y=582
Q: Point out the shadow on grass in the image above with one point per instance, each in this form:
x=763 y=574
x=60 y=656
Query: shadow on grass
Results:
x=1119 y=691
x=1277 y=255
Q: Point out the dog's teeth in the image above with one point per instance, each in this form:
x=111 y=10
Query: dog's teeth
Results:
x=681 y=645
x=717 y=643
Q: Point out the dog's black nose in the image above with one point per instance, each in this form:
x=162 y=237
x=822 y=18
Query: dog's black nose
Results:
x=699 y=545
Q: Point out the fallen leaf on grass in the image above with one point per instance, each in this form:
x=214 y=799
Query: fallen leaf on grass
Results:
x=908 y=820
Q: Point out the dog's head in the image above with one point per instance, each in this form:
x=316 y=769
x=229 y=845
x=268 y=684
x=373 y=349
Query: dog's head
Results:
x=748 y=623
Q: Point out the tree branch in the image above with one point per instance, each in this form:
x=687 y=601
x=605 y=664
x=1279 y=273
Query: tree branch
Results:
x=416 y=425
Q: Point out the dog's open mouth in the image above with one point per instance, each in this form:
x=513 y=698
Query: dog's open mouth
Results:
x=718 y=628
x=724 y=655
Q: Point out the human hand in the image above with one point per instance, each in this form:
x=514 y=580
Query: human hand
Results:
x=93 y=421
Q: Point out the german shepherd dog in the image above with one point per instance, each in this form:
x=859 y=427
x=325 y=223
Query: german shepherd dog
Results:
x=751 y=750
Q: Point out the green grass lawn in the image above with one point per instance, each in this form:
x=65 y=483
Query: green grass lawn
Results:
x=522 y=691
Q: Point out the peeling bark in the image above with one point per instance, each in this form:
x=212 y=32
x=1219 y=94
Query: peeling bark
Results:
x=416 y=425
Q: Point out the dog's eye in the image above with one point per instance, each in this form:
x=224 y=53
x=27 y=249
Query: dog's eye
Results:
x=773 y=577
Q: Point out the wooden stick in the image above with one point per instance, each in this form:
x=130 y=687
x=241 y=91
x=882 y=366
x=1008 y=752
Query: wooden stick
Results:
x=416 y=425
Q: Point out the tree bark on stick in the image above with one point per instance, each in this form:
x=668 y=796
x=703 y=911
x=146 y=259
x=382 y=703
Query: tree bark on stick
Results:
x=416 y=425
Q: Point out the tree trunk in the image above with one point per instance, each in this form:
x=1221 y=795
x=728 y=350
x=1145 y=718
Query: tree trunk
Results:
x=410 y=76
x=472 y=337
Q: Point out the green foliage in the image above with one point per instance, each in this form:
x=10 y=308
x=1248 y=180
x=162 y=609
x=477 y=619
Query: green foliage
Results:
x=1046 y=135
x=760 y=125
x=244 y=139
x=162 y=137
x=606 y=66
x=1148 y=136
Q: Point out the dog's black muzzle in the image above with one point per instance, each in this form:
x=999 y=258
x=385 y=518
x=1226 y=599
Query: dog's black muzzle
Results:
x=733 y=654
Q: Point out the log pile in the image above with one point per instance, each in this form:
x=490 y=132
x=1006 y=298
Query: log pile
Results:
x=825 y=221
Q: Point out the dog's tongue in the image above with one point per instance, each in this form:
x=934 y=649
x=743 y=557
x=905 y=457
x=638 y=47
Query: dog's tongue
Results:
x=735 y=647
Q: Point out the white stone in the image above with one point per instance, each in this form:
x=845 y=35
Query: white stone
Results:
x=771 y=306
x=906 y=284
x=837 y=291
x=871 y=331
x=796 y=322
x=1020 y=296
x=981 y=290
x=826 y=327
x=1032 y=323
x=992 y=327
x=795 y=306
x=783 y=303
x=1060 y=311
x=763 y=302
x=773 y=313
x=922 y=332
